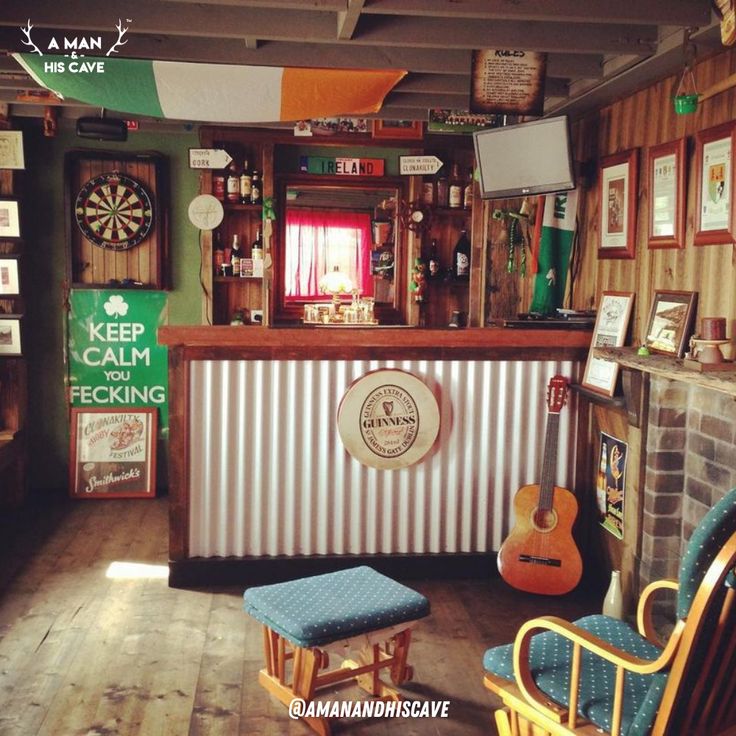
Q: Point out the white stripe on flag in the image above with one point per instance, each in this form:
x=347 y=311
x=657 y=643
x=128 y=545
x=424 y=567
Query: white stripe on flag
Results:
x=229 y=94
x=562 y=218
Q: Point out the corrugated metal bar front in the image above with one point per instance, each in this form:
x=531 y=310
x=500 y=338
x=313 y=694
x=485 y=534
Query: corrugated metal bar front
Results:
x=270 y=476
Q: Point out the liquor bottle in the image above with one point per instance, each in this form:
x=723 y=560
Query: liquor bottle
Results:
x=246 y=179
x=613 y=603
x=442 y=191
x=602 y=482
x=455 y=193
x=218 y=184
x=428 y=191
x=435 y=266
x=468 y=191
x=227 y=252
x=235 y=255
x=461 y=258
x=255 y=188
x=232 y=184
x=257 y=247
x=218 y=252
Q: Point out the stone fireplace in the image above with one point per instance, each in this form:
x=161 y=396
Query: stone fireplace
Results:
x=690 y=465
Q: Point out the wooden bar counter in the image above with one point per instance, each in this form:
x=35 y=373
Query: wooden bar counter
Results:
x=261 y=487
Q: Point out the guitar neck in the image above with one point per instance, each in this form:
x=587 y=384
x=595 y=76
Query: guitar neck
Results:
x=549 y=464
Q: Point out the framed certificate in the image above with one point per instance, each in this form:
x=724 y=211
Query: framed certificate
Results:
x=666 y=177
x=713 y=157
x=618 y=182
x=611 y=325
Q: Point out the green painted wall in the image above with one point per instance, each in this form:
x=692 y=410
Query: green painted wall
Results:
x=44 y=264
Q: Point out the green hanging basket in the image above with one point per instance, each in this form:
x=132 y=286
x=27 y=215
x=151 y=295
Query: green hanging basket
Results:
x=685 y=104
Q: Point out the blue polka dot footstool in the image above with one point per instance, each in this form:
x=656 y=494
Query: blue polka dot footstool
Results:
x=339 y=611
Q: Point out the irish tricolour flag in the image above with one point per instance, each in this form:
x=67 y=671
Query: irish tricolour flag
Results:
x=223 y=93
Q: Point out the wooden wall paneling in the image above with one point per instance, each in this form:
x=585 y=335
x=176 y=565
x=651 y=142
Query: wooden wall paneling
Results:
x=709 y=270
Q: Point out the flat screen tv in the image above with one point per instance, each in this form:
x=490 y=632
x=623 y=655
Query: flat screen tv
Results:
x=530 y=158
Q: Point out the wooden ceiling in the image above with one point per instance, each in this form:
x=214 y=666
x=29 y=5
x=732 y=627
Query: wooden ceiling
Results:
x=598 y=49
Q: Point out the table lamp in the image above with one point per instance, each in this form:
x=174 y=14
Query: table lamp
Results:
x=335 y=282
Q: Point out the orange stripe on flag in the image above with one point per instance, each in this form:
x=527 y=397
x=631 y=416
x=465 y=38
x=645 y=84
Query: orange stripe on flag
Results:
x=321 y=93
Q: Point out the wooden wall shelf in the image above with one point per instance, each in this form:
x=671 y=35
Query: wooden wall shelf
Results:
x=672 y=368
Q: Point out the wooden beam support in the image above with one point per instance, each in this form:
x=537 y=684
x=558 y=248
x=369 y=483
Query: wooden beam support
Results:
x=307 y=26
x=671 y=12
x=347 y=20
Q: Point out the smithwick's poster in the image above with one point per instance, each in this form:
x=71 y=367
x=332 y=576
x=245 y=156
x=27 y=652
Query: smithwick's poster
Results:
x=113 y=453
x=114 y=359
x=507 y=82
x=611 y=484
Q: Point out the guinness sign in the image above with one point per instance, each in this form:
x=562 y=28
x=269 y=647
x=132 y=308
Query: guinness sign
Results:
x=388 y=419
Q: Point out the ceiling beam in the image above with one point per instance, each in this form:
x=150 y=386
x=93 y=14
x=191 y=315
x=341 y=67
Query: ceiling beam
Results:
x=675 y=12
x=486 y=34
x=347 y=20
x=319 y=27
x=280 y=53
x=666 y=62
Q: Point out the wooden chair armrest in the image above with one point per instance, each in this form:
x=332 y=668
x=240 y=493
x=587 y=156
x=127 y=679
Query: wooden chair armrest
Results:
x=581 y=639
x=644 y=609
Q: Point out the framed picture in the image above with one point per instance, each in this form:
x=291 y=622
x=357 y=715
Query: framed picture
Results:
x=713 y=156
x=10 y=343
x=9 y=219
x=666 y=175
x=618 y=179
x=671 y=322
x=407 y=129
x=113 y=453
x=611 y=326
x=9 y=275
x=11 y=149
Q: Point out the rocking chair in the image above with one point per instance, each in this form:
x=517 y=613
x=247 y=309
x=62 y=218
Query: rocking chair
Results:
x=599 y=675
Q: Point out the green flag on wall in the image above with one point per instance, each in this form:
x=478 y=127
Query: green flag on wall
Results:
x=558 y=232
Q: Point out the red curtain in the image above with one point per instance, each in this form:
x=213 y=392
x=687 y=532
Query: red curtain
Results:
x=317 y=241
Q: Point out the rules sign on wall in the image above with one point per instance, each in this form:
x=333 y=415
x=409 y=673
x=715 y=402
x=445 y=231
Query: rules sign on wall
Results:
x=114 y=360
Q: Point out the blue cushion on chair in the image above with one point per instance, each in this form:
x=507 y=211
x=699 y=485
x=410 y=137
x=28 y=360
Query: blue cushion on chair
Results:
x=706 y=541
x=550 y=657
x=317 y=610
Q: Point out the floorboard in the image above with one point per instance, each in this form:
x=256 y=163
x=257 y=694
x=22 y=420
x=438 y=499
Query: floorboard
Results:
x=86 y=654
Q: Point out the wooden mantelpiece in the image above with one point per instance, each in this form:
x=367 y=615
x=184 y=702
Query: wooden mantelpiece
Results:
x=672 y=368
x=343 y=343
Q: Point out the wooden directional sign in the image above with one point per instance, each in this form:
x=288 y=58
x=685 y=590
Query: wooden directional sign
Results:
x=419 y=165
x=208 y=158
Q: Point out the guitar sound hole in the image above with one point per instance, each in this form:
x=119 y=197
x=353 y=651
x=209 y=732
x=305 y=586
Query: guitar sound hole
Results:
x=544 y=520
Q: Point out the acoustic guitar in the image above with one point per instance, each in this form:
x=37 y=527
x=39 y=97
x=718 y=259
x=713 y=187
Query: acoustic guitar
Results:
x=540 y=555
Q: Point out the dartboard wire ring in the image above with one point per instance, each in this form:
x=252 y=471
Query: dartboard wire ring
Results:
x=114 y=211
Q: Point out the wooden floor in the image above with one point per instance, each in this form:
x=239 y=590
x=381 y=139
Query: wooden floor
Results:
x=83 y=654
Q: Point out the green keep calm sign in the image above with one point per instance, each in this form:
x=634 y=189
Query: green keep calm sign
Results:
x=114 y=359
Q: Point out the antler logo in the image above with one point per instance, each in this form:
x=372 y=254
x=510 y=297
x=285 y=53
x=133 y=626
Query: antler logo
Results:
x=77 y=43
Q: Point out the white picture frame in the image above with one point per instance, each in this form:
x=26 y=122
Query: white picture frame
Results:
x=611 y=326
x=10 y=337
x=9 y=275
x=11 y=150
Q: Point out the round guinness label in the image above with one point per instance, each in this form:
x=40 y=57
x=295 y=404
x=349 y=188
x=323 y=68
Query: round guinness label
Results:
x=388 y=419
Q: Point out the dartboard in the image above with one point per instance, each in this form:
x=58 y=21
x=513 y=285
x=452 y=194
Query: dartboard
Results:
x=114 y=211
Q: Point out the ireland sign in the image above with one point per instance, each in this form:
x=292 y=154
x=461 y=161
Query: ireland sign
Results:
x=113 y=356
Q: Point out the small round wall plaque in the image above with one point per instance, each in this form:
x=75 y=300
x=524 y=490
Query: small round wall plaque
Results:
x=388 y=419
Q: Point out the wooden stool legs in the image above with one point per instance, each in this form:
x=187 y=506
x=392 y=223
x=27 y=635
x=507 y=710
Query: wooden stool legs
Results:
x=307 y=663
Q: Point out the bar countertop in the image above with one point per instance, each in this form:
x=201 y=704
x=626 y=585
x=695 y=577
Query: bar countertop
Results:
x=391 y=343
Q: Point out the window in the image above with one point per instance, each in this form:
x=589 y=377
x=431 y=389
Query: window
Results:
x=319 y=241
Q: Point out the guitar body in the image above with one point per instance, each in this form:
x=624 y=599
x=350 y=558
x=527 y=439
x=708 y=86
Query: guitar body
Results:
x=540 y=554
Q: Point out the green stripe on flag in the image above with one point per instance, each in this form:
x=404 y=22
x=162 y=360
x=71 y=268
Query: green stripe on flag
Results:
x=126 y=85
